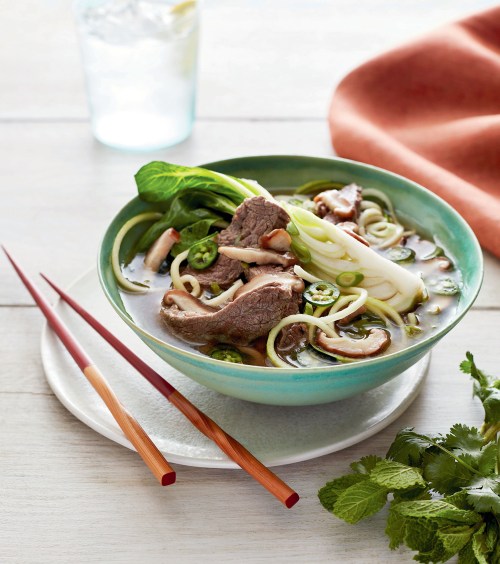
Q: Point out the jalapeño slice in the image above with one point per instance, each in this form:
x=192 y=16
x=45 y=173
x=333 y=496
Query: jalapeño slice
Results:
x=401 y=255
x=321 y=293
x=227 y=354
x=202 y=254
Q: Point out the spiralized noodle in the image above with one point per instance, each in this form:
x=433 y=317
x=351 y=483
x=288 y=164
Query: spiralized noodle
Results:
x=177 y=281
x=124 y=282
x=224 y=297
x=374 y=226
x=325 y=324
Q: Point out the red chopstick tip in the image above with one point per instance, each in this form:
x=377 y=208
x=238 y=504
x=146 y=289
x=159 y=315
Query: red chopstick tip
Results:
x=168 y=479
x=292 y=500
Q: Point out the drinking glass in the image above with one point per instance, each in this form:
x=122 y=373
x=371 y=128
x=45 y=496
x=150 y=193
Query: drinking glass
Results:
x=139 y=59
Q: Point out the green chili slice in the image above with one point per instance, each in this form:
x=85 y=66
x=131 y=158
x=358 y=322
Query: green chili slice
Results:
x=445 y=287
x=202 y=254
x=401 y=255
x=227 y=354
x=321 y=293
x=348 y=279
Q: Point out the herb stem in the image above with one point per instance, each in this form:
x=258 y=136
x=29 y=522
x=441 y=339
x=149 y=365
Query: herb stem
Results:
x=491 y=433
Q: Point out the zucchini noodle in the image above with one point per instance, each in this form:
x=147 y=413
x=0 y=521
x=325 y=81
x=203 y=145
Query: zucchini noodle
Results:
x=124 y=282
x=308 y=277
x=193 y=281
x=323 y=324
x=224 y=297
x=177 y=281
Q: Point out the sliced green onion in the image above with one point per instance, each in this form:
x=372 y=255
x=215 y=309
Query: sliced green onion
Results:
x=300 y=251
x=348 y=279
x=321 y=293
x=292 y=229
x=401 y=255
x=227 y=354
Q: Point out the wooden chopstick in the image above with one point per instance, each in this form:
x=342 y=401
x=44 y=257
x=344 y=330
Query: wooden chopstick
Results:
x=131 y=428
x=230 y=446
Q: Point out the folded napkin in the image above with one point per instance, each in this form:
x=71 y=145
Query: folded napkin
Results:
x=430 y=111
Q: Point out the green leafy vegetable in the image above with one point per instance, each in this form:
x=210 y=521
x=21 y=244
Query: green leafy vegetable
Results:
x=159 y=182
x=188 y=195
x=445 y=490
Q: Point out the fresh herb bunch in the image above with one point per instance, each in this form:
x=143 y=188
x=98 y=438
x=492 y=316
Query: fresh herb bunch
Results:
x=444 y=491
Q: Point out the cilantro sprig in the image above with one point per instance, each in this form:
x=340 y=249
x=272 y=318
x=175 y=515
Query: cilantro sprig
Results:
x=443 y=491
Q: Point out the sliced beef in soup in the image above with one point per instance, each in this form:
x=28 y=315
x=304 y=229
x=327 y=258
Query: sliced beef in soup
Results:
x=254 y=218
x=253 y=312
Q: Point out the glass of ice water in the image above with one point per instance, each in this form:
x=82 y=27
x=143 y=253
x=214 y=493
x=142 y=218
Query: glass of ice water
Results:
x=139 y=59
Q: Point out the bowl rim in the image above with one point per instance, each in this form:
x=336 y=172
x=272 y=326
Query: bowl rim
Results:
x=337 y=370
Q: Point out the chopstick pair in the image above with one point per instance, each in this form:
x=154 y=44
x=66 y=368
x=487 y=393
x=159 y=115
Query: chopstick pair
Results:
x=143 y=444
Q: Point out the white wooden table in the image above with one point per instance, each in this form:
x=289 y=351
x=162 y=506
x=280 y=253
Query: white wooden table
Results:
x=267 y=71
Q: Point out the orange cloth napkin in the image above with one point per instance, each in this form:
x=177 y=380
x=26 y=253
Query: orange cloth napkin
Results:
x=430 y=111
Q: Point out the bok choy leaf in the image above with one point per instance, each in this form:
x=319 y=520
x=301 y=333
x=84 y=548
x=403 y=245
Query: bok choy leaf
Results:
x=159 y=182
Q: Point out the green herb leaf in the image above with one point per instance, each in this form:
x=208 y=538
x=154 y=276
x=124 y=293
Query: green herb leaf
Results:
x=483 y=494
x=445 y=474
x=438 y=511
x=366 y=464
x=408 y=447
x=395 y=529
x=396 y=476
x=359 y=501
x=330 y=492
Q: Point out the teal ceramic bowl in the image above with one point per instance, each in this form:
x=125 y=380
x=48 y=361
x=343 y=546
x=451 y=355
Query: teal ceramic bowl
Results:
x=415 y=205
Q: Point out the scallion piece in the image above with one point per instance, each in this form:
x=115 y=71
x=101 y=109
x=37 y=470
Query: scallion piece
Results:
x=349 y=279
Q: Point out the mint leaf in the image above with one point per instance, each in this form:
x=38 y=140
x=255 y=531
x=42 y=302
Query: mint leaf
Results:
x=366 y=464
x=359 y=501
x=330 y=492
x=412 y=494
x=466 y=555
x=395 y=529
x=459 y=499
x=421 y=535
x=445 y=475
x=483 y=495
x=396 y=476
x=408 y=447
x=479 y=546
x=438 y=511
x=454 y=538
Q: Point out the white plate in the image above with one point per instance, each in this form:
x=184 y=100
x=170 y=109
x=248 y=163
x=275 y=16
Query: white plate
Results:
x=276 y=435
